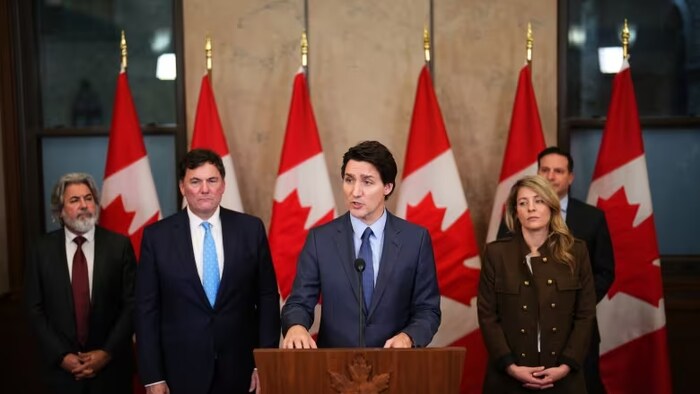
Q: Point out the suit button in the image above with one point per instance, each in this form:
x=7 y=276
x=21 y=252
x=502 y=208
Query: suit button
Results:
x=549 y=281
x=526 y=283
x=544 y=259
x=525 y=307
x=554 y=353
x=522 y=355
x=554 y=329
x=553 y=305
x=522 y=331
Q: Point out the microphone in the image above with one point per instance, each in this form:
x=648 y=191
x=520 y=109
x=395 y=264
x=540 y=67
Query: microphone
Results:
x=360 y=267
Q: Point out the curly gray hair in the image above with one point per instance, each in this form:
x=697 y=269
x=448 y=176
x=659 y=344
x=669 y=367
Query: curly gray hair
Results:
x=60 y=188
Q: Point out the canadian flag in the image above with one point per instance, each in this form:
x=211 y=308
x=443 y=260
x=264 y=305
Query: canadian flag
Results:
x=432 y=196
x=303 y=196
x=129 y=200
x=209 y=134
x=631 y=318
x=525 y=142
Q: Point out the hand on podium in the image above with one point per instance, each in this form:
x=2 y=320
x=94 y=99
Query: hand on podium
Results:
x=400 y=340
x=298 y=337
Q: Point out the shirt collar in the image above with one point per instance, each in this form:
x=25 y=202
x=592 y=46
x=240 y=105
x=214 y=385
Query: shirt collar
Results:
x=196 y=221
x=89 y=236
x=564 y=203
x=358 y=226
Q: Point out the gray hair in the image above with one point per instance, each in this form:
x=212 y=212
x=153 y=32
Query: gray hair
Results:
x=60 y=188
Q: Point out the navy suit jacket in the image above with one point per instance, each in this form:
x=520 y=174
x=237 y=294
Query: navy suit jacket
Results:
x=588 y=223
x=405 y=299
x=49 y=300
x=180 y=337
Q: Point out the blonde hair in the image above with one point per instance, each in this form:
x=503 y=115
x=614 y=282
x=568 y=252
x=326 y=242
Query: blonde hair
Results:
x=560 y=241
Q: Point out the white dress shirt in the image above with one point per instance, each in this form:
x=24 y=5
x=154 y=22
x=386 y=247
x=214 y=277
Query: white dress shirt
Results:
x=197 y=233
x=88 y=251
x=564 y=203
x=376 y=240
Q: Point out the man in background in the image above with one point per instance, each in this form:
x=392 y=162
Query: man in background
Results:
x=79 y=292
x=206 y=293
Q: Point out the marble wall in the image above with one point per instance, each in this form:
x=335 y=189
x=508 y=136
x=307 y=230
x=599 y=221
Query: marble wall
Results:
x=365 y=56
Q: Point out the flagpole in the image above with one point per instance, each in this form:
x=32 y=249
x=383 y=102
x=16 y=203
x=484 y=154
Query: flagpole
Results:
x=625 y=41
x=304 y=48
x=529 y=44
x=207 y=55
x=122 y=46
x=426 y=44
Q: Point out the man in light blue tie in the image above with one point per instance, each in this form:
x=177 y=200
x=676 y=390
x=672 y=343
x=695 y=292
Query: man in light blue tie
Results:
x=400 y=296
x=206 y=293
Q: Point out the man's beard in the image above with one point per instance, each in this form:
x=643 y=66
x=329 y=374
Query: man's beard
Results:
x=83 y=223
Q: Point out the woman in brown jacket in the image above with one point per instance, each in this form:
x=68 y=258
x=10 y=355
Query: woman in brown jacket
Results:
x=536 y=298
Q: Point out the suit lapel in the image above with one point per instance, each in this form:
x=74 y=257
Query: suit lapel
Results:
x=389 y=260
x=572 y=214
x=183 y=239
x=59 y=267
x=344 y=246
x=99 y=269
x=228 y=233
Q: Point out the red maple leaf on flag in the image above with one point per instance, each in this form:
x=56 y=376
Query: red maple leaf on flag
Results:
x=116 y=218
x=451 y=247
x=289 y=231
x=635 y=250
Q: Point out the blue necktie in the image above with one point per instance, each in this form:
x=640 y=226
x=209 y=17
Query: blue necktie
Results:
x=210 y=269
x=368 y=274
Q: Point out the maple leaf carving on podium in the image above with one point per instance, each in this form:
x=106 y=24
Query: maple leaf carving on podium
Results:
x=359 y=382
x=287 y=236
x=451 y=247
x=635 y=250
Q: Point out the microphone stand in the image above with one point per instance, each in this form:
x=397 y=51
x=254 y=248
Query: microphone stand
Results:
x=360 y=267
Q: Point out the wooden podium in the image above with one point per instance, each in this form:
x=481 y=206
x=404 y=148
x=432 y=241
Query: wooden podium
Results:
x=360 y=370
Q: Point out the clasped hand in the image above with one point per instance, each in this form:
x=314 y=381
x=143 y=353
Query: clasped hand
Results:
x=538 y=378
x=85 y=365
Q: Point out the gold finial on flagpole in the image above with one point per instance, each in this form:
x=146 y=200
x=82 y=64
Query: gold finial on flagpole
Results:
x=304 y=49
x=122 y=46
x=625 y=40
x=207 y=54
x=530 y=41
x=426 y=43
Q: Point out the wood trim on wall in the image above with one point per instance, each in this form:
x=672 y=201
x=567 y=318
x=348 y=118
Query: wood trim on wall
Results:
x=11 y=143
x=22 y=130
x=181 y=145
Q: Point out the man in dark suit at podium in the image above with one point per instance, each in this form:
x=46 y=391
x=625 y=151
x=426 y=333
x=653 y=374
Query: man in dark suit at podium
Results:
x=79 y=291
x=206 y=293
x=588 y=223
x=400 y=300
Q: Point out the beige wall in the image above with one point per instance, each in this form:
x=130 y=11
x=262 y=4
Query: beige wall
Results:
x=363 y=67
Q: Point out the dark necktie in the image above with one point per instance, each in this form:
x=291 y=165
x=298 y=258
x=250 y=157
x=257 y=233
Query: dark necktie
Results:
x=81 y=292
x=368 y=273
